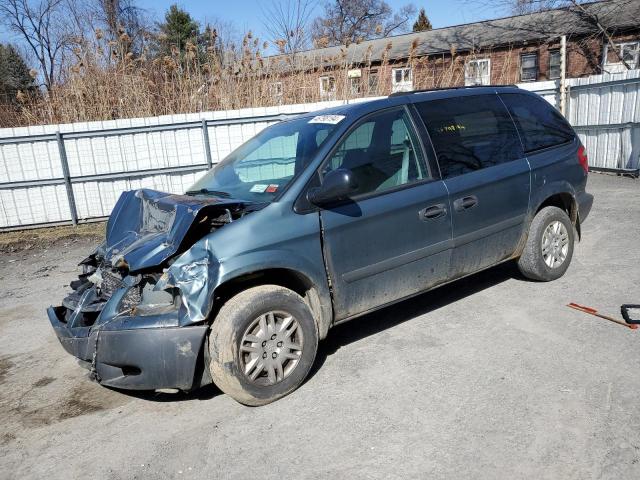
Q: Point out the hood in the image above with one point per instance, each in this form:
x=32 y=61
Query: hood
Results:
x=147 y=227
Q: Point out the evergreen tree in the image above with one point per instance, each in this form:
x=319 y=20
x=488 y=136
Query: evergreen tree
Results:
x=422 y=24
x=177 y=30
x=14 y=75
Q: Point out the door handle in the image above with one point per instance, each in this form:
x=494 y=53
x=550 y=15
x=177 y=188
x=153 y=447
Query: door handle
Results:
x=465 y=203
x=434 y=211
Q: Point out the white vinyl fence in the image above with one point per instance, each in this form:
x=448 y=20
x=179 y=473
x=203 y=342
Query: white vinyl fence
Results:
x=605 y=112
x=58 y=174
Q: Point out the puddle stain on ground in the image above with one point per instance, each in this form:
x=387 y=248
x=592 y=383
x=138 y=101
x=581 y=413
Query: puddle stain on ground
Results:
x=78 y=403
x=5 y=366
x=6 y=438
x=43 y=382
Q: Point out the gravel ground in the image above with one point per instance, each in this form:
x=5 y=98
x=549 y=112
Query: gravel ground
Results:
x=489 y=377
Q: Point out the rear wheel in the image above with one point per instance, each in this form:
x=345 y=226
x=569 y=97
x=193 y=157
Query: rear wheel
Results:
x=549 y=248
x=262 y=344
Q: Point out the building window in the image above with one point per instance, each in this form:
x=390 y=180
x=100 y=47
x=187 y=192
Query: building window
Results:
x=373 y=82
x=275 y=90
x=355 y=86
x=327 y=87
x=529 y=67
x=477 y=72
x=629 y=53
x=401 y=80
x=554 y=64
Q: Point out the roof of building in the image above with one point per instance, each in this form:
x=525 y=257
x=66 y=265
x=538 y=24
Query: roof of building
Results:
x=616 y=15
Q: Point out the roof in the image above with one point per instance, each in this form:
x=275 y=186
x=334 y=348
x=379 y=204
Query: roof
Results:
x=372 y=105
x=617 y=15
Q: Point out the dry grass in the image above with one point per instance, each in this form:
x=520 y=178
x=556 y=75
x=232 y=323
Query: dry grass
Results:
x=108 y=82
x=21 y=240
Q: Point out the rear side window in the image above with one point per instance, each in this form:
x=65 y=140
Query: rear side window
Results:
x=470 y=133
x=541 y=125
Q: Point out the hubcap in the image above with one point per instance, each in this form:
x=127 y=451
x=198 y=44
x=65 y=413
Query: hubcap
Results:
x=271 y=348
x=555 y=244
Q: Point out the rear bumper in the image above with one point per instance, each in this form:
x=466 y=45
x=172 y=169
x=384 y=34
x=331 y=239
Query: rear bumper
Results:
x=585 y=202
x=134 y=352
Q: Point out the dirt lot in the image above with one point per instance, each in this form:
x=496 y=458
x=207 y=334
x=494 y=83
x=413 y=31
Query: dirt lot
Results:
x=490 y=377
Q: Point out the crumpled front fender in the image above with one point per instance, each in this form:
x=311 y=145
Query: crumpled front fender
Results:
x=198 y=272
x=195 y=275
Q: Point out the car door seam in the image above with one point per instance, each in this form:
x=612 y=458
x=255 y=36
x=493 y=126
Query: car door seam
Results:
x=397 y=261
x=488 y=230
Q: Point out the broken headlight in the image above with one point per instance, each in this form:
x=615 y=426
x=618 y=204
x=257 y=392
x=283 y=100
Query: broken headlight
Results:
x=142 y=300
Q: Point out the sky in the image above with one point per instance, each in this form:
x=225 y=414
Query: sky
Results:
x=247 y=14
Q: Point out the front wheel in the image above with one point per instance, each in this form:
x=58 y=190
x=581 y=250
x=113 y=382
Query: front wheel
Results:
x=262 y=344
x=549 y=248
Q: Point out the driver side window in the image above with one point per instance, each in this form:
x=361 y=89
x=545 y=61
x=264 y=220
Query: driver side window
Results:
x=382 y=153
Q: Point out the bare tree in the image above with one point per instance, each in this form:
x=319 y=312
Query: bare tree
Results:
x=43 y=28
x=348 y=21
x=122 y=17
x=286 y=23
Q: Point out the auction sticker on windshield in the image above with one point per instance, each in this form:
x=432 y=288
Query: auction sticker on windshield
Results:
x=330 y=119
x=259 y=188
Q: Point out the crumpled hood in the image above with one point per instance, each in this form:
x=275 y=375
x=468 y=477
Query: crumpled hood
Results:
x=147 y=227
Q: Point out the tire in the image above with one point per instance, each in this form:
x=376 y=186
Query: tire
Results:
x=237 y=344
x=534 y=262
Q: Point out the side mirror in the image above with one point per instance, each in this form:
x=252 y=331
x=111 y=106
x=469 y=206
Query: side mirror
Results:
x=336 y=186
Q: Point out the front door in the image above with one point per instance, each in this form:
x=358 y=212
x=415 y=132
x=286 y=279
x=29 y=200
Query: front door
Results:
x=393 y=239
x=486 y=173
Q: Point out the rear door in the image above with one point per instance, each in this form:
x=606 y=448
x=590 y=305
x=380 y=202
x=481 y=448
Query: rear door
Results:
x=486 y=174
x=393 y=238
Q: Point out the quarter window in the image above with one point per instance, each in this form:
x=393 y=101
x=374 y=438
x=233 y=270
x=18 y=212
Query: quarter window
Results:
x=382 y=152
x=529 y=67
x=541 y=125
x=477 y=72
x=470 y=133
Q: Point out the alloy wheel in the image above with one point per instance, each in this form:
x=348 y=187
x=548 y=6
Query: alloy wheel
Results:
x=271 y=348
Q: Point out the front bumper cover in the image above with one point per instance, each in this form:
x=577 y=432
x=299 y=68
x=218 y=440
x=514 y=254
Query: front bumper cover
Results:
x=136 y=353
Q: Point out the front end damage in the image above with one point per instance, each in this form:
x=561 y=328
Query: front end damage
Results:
x=136 y=315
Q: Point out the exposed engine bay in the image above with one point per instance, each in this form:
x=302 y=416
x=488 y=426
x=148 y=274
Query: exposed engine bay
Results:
x=147 y=231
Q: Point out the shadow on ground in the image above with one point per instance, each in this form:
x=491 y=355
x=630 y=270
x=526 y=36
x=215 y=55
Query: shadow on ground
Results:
x=388 y=317
x=367 y=325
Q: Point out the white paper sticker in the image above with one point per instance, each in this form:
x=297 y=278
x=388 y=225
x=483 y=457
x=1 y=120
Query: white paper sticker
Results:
x=258 y=188
x=330 y=119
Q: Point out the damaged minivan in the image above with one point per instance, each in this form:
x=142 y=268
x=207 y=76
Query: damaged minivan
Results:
x=318 y=220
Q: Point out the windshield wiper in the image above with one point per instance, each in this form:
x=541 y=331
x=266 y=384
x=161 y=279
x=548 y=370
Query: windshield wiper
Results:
x=206 y=191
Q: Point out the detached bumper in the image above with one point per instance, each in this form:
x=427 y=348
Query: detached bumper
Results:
x=135 y=353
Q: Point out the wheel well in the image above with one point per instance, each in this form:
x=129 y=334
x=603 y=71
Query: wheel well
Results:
x=282 y=277
x=565 y=202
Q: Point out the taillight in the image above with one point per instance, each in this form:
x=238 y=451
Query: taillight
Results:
x=582 y=158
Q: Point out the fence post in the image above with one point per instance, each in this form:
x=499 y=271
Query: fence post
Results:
x=67 y=178
x=563 y=75
x=207 y=147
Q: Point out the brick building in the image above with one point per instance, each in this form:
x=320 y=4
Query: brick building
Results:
x=523 y=48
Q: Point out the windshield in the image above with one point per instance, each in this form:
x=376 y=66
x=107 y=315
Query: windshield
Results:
x=263 y=167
